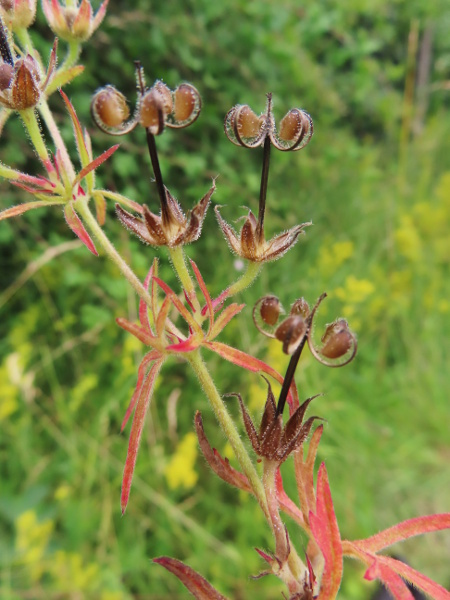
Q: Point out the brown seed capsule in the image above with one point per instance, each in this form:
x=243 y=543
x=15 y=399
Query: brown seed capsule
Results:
x=290 y=332
x=166 y=96
x=290 y=125
x=186 y=101
x=247 y=123
x=337 y=339
x=300 y=307
x=270 y=310
x=6 y=75
x=110 y=106
x=151 y=111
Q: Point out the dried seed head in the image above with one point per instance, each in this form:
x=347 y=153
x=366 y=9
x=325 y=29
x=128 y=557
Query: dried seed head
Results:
x=291 y=332
x=270 y=309
x=337 y=340
x=6 y=75
x=110 y=106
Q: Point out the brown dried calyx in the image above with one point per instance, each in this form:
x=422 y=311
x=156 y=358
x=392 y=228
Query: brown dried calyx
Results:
x=171 y=227
x=275 y=442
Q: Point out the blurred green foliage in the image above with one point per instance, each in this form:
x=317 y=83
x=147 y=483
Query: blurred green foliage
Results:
x=375 y=181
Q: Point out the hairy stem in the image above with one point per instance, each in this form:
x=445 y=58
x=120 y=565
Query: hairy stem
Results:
x=103 y=240
x=49 y=121
x=73 y=54
x=247 y=278
x=31 y=123
x=284 y=551
x=229 y=428
x=179 y=263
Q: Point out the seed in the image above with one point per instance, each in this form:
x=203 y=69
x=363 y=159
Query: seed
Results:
x=248 y=124
x=290 y=125
x=270 y=310
x=186 y=102
x=110 y=106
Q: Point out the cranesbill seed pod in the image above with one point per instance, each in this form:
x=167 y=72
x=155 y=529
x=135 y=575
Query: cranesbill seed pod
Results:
x=290 y=332
x=337 y=340
x=110 y=106
x=151 y=111
x=270 y=309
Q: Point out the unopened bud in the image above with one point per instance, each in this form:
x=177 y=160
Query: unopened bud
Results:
x=25 y=90
x=110 y=106
x=290 y=332
x=337 y=340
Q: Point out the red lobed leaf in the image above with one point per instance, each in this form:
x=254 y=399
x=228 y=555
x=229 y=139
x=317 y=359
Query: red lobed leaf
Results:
x=205 y=293
x=326 y=533
x=143 y=308
x=75 y=224
x=405 y=530
x=95 y=163
x=391 y=580
x=136 y=330
x=179 y=305
x=246 y=361
x=224 y=318
x=136 y=432
x=148 y=358
x=387 y=569
x=193 y=581
x=15 y=211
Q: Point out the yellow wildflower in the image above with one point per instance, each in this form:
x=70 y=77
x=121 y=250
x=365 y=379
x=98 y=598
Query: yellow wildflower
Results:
x=331 y=257
x=180 y=470
x=355 y=290
x=31 y=542
x=408 y=239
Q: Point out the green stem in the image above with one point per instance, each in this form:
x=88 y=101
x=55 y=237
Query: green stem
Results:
x=97 y=231
x=229 y=428
x=49 y=121
x=73 y=53
x=31 y=123
x=25 y=41
x=179 y=263
x=295 y=574
x=248 y=277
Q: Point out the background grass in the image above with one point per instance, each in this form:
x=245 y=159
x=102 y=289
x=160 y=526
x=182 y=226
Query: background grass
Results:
x=375 y=181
